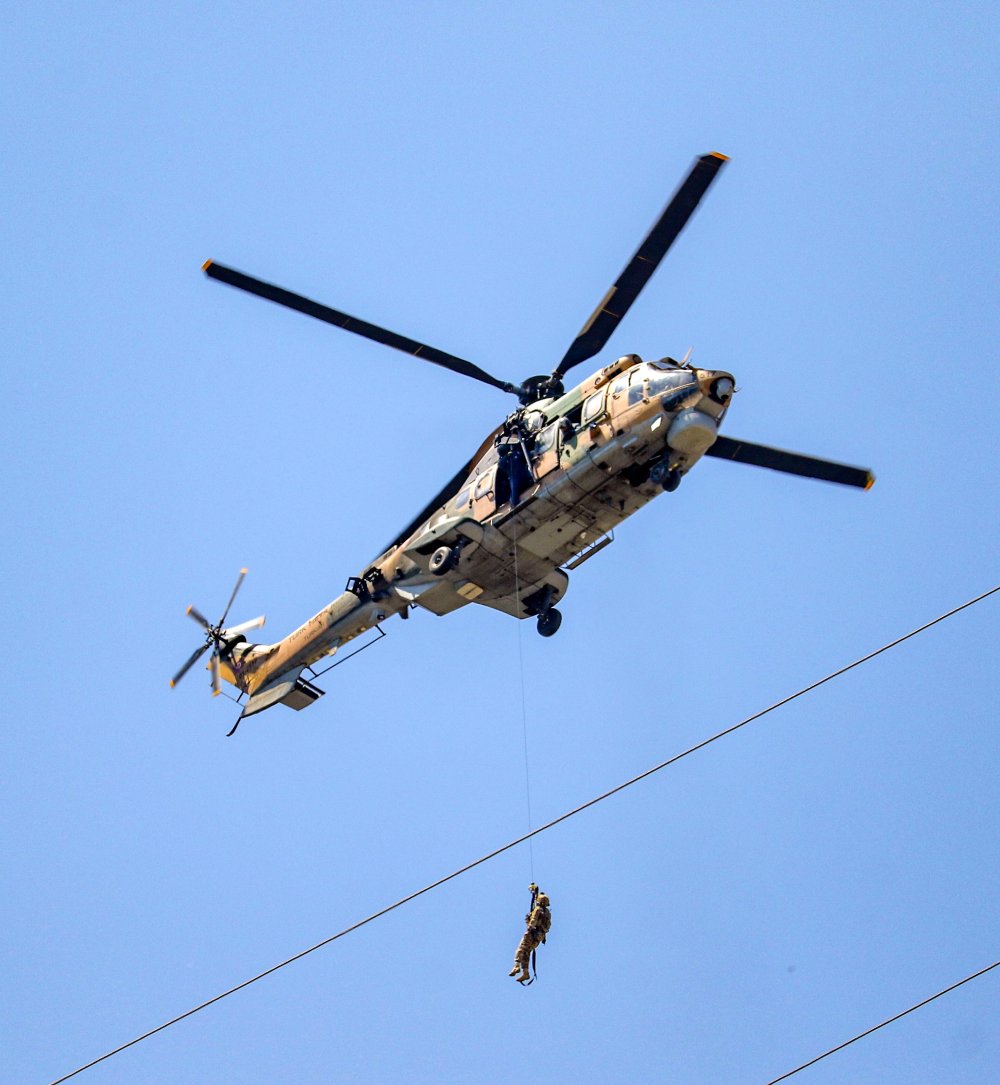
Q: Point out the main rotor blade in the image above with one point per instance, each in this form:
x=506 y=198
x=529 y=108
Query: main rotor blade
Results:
x=616 y=303
x=351 y=324
x=449 y=489
x=195 y=656
x=225 y=613
x=792 y=463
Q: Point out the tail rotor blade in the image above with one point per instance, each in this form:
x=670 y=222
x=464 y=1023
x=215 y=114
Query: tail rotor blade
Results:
x=195 y=656
x=225 y=613
x=244 y=627
x=216 y=639
x=196 y=616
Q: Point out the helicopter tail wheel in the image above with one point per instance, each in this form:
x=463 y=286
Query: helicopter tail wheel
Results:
x=672 y=481
x=549 y=622
x=443 y=559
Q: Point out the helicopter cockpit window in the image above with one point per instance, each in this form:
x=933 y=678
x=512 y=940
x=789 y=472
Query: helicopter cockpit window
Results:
x=637 y=386
x=593 y=408
x=663 y=381
x=621 y=383
x=463 y=499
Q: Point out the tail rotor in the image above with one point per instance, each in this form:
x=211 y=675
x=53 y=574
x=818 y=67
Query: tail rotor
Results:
x=218 y=638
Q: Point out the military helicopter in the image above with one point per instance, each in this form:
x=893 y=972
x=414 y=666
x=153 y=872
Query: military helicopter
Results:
x=542 y=494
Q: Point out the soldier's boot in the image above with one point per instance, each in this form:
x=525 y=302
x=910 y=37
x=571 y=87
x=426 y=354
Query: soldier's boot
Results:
x=514 y=970
x=525 y=975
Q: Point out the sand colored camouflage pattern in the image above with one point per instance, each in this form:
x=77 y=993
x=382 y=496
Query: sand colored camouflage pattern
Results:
x=588 y=460
x=542 y=494
x=538 y=922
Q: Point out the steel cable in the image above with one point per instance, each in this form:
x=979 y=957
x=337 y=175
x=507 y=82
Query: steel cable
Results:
x=882 y=1024
x=535 y=832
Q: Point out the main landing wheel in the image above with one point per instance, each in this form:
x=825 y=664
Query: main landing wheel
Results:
x=662 y=475
x=442 y=560
x=549 y=622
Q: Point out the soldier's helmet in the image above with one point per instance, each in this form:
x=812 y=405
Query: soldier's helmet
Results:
x=542 y=899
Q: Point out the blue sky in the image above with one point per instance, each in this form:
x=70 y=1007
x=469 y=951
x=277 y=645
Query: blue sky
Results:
x=475 y=176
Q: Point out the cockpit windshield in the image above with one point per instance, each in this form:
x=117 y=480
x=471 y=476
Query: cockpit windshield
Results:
x=669 y=380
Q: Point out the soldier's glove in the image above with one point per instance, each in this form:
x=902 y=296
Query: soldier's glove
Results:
x=527 y=918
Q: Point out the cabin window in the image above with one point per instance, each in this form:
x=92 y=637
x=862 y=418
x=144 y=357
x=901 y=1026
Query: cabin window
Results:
x=636 y=389
x=484 y=484
x=572 y=418
x=463 y=498
x=546 y=439
x=619 y=386
x=593 y=408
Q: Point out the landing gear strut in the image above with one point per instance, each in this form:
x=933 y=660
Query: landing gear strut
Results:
x=668 y=478
x=549 y=622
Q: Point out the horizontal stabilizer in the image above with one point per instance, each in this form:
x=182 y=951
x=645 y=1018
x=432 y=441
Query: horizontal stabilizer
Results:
x=289 y=689
x=302 y=696
x=272 y=693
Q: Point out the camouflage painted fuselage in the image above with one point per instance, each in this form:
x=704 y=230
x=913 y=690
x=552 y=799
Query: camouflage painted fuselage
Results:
x=544 y=493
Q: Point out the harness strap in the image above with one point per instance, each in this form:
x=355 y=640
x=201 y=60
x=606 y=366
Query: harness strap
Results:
x=534 y=952
x=534 y=970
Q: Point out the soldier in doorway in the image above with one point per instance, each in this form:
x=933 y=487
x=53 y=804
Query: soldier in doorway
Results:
x=538 y=922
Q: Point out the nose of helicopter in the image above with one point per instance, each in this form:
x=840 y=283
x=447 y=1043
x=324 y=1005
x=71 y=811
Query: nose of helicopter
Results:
x=717 y=384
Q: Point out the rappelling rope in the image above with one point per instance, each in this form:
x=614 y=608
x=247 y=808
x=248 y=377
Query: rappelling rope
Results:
x=524 y=704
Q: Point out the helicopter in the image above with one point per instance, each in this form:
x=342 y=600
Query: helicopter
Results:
x=542 y=494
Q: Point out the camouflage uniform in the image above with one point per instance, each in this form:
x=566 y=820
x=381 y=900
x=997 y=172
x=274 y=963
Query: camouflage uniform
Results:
x=538 y=922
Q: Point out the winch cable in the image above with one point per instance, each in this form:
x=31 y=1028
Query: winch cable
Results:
x=528 y=836
x=524 y=704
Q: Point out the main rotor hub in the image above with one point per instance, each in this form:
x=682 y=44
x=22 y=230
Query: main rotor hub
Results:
x=543 y=386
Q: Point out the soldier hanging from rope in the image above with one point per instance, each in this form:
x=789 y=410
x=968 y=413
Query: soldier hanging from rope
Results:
x=538 y=921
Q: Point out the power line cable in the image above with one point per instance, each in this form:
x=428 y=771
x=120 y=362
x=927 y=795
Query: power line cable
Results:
x=528 y=836
x=882 y=1024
